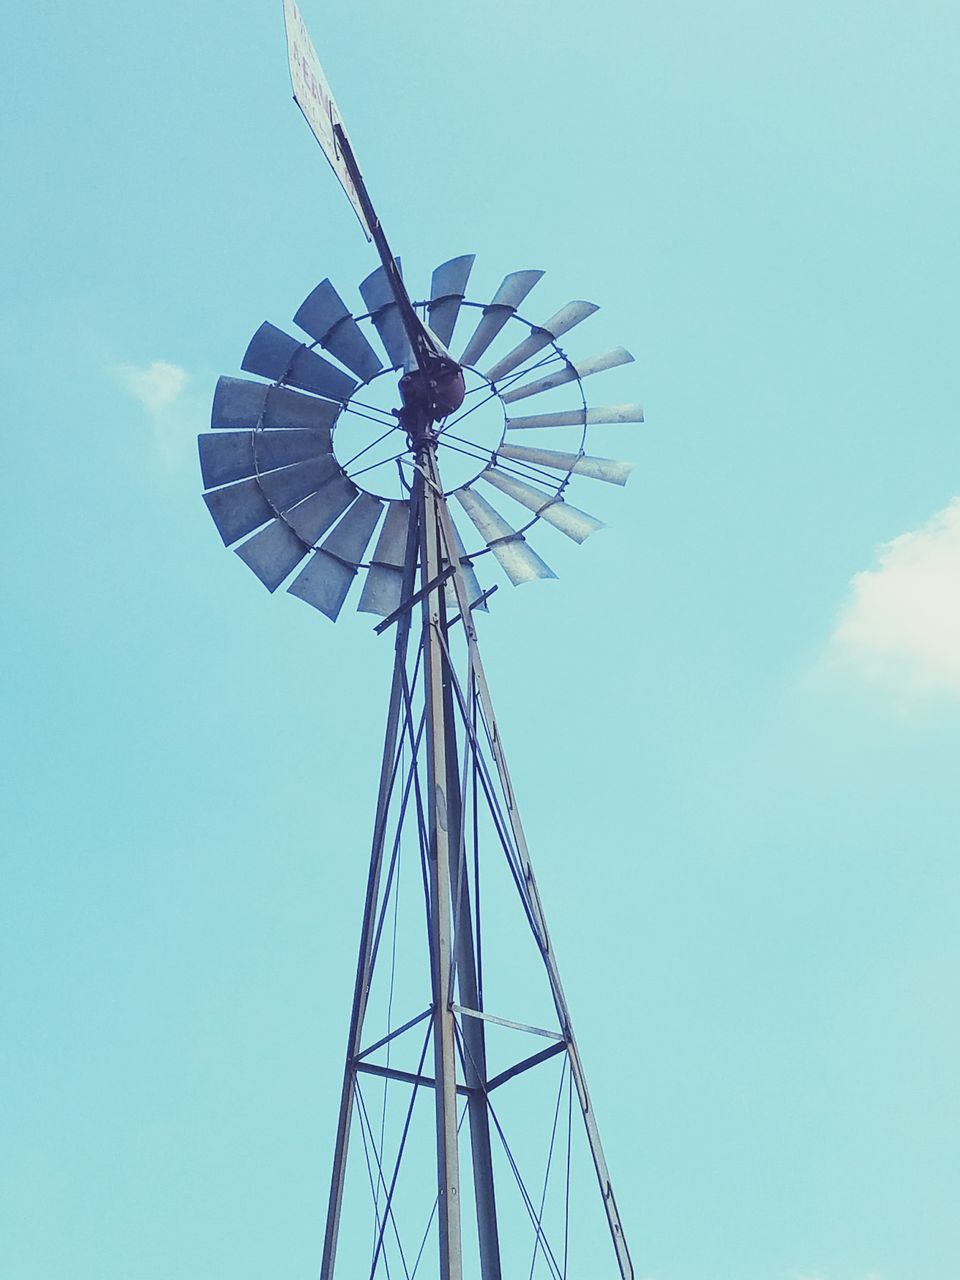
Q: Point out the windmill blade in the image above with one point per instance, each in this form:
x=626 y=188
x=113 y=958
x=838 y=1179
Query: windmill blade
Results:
x=275 y=354
x=273 y=449
x=235 y=455
x=385 y=313
x=513 y=289
x=239 y=403
x=474 y=590
x=574 y=523
x=565 y=319
x=579 y=417
x=312 y=517
x=225 y=458
x=325 y=316
x=607 y=469
x=447 y=287
x=519 y=561
x=273 y=553
x=384 y=583
x=326 y=577
x=575 y=369
x=287 y=487
x=238 y=509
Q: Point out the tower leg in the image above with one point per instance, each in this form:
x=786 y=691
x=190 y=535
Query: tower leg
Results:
x=365 y=959
x=444 y=1027
x=471 y=1029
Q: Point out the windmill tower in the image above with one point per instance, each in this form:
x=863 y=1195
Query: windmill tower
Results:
x=316 y=475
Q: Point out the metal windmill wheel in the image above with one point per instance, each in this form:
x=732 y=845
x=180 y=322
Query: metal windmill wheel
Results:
x=272 y=467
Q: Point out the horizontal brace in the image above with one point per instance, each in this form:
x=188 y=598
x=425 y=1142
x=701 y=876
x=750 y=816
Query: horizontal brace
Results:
x=533 y=1061
x=505 y=1022
x=378 y=1044
x=438 y=581
x=405 y=1077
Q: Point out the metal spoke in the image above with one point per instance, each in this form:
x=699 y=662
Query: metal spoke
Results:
x=511 y=466
x=367 y=447
x=373 y=408
x=350 y=407
x=504 y=383
x=395 y=457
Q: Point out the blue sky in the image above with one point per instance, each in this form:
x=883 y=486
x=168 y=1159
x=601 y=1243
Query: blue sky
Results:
x=733 y=722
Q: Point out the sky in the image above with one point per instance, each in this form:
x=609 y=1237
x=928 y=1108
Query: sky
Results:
x=732 y=723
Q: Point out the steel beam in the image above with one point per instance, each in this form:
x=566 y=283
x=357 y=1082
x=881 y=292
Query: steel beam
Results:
x=472 y=1030
x=368 y=928
x=444 y=1024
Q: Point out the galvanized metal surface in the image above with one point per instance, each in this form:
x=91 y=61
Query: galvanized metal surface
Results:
x=507 y=1022
x=574 y=369
x=325 y=316
x=352 y=535
x=226 y=457
x=323 y=582
x=512 y=291
x=607 y=469
x=327 y=576
x=518 y=560
x=474 y=590
x=447 y=287
x=240 y=404
x=312 y=517
x=559 y=323
x=273 y=449
x=273 y=553
x=574 y=523
x=377 y=293
x=578 y=417
x=275 y=354
x=238 y=509
x=285 y=488
x=383 y=584
x=233 y=455
x=466 y=960
x=513 y=288
x=391 y=548
x=439 y=751
x=382 y=590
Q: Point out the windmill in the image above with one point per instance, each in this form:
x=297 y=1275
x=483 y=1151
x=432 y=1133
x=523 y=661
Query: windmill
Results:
x=316 y=476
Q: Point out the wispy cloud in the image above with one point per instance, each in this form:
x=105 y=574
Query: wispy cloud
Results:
x=161 y=388
x=157 y=386
x=900 y=625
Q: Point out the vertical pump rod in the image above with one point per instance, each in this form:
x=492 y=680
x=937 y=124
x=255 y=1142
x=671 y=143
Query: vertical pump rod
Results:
x=440 y=853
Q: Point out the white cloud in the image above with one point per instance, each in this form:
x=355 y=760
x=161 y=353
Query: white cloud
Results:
x=900 y=626
x=155 y=385
x=175 y=414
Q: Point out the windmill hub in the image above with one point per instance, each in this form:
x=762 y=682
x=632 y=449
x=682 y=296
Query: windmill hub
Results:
x=429 y=395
